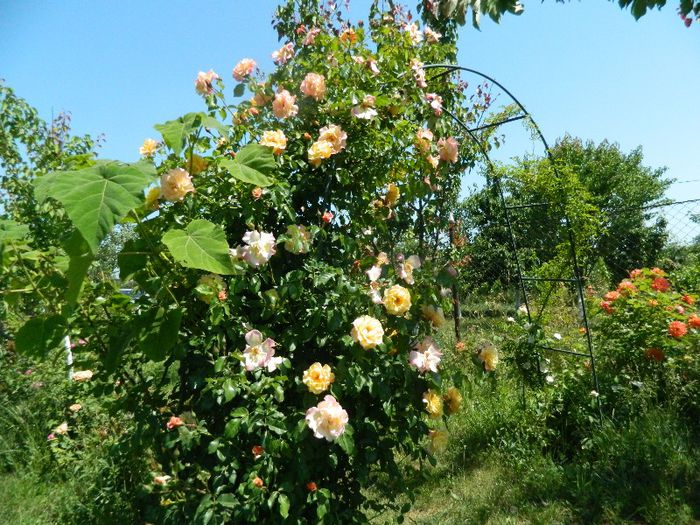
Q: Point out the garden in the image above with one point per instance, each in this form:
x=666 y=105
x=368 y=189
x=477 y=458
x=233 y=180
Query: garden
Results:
x=291 y=310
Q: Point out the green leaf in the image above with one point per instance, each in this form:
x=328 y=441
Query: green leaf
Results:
x=253 y=164
x=80 y=260
x=175 y=131
x=40 y=335
x=232 y=428
x=346 y=441
x=283 y=501
x=133 y=257
x=239 y=90
x=229 y=390
x=12 y=231
x=163 y=329
x=96 y=198
x=227 y=500
x=201 y=245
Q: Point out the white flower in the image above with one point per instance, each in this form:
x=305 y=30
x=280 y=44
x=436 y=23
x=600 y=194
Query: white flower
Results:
x=261 y=246
x=327 y=419
x=375 y=293
x=374 y=273
x=413 y=32
x=522 y=310
x=365 y=110
x=549 y=379
x=259 y=353
x=510 y=319
x=557 y=336
x=426 y=356
x=405 y=269
x=431 y=36
x=594 y=393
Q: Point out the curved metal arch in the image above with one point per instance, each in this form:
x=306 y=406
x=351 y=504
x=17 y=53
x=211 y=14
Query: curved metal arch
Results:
x=578 y=277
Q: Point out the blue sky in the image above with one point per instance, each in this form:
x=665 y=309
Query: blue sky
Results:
x=587 y=68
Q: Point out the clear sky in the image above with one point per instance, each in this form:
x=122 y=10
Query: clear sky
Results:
x=586 y=68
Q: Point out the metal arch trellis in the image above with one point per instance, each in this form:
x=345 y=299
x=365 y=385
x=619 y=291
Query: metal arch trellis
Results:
x=522 y=279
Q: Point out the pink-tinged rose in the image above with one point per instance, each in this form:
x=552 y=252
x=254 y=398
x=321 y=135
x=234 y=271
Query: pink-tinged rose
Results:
x=335 y=135
x=371 y=64
x=677 y=329
x=259 y=353
x=310 y=37
x=51 y=436
x=275 y=139
x=82 y=375
x=283 y=54
x=375 y=293
x=635 y=273
x=418 y=73
x=433 y=161
x=175 y=184
x=284 y=104
x=204 y=83
x=426 y=356
x=448 y=149
x=327 y=419
x=161 y=480
x=244 y=69
x=314 y=86
x=405 y=269
x=327 y=217
x=432 y=37
x=435 y=102
x=259 y=248
x=424 y=138
x=174 y=422
x=413 y=33
x=365 y=110
x=258 y=482
x=61 y=429
x=75 y=407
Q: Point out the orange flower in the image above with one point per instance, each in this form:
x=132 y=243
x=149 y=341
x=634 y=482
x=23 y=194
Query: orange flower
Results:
x=694 y=321
x=658 y=271
x=626 y=287
x=258 y=482
x=611 y=296
x=223 y=295
x=257 y=451
x=660 y=284
x=311 y=486
x=654 y=354
x=635 y=273
x=677 y=329
x=256 y=193
x=349 y=36
x=582 y=330
x=605 y=305
x=653 y=302
x=688 y=299
x=174 y=422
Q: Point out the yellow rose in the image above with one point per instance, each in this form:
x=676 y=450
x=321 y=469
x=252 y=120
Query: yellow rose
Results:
x=335 y=135
x=453 y=399
x=433 y=403
x=434 y=315
x=397 y=300
x=149 y=148
x=489 y=357
x=275 y=140
x=175 y=184
x=392 y=194
x=367 y=331
x=319 y=150
x=152 y=198
x=318 y=378
x=197 y=164
x=438 y=441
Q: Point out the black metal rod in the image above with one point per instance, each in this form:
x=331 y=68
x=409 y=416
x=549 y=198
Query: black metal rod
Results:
x=562 y=351
x=533 y=205
x=551 y=279
x=499 y=123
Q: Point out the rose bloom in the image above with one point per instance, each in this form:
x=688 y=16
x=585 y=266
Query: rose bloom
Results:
x=319 y=150
x=371 y=64
x=433 y=161
x=677 y=329
x=82 y=375
x=606 y=306
x=418 y=73
x=275 y=140
x=314 y=86
x=626 y=287
x=148 y=148
x=243 y=69
x=203 y=84
x=413 y=33
x=175 y=184
x=654 y=354
x=61 y=429
x=688 y=299
x=489 y=358
x=349 y=36
x=335 y=135
x=256 y=192
x=283 y=54
x=259 y=353
x=222 y=295
x=694 y=321
x=431 y=36
x=311 y=36
x=327 y=419
x=423 y=140
x=327 y=217
x=374 y=291
x=433 y=403
x=660 y=284
x=311 y=486
x=635 y=273
x=426 y=356
x=365 y=110
x=405 y=269
x=438 y=441
x=75 y=407
x=261 y=247
x=260 y=99
x=284 y=104
x=448 y=149
x=374 y=273
x=435 y=102
x=162 y=480
x=258 y=482
x=453 y=400
x=397 y=300
x=367 y=331
x=174 y=422
x=611 y=296
x=382 y=259
x=658 y=271
x=318 y=378
x=257 y=451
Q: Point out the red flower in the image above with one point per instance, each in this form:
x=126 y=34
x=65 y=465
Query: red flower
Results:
x=694 y=321
x=327 y=217
x=687 y=299
x=677 y=329
x=660 y=284
x=611 y=296
x=257 y=451
x=626 y=287
x=174 y=422
x=605 y=305
x=311 y=486
x=654 y=354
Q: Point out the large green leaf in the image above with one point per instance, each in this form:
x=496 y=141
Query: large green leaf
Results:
x=80 y=260
x=133 y=257
x=161 y=332
x=40 y=335
x=96 y=198
x=175 y=131
x=200 y=245
x=12 y=231
x=253 y=164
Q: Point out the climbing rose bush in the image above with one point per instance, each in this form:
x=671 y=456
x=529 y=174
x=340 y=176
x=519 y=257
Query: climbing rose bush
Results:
x=276 y=352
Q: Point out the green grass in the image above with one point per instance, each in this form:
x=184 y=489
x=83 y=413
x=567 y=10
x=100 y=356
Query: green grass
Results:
x=27 y=500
